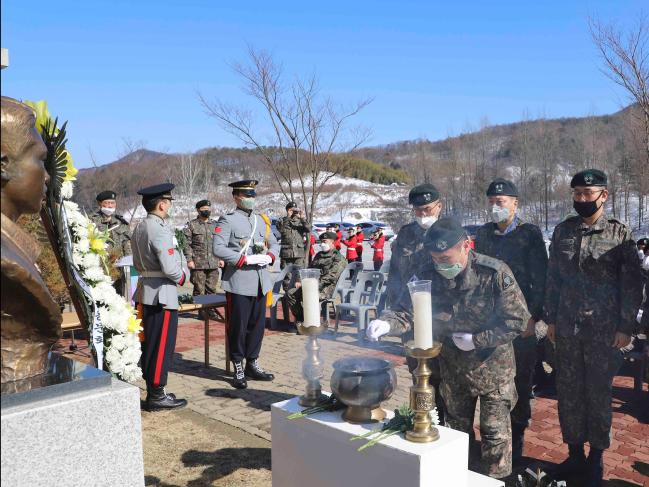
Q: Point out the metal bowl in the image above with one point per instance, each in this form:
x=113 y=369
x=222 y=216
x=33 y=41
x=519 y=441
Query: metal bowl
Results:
x=362 y=384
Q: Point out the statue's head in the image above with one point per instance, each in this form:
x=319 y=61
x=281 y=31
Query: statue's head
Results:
x=24 y=177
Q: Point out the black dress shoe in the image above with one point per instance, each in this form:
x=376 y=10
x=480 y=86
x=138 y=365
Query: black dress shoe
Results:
x=255 y=372
x=158 y=400
x=239 y=380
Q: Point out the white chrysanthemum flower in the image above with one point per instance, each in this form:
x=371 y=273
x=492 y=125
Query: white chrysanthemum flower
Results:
x=91 y=260
x=77 y=258
x=94 y=274
x=83 y=245
x=118 y=341
x=70 y=207
x=131 y=373
x=132 y=340
x=434 y=416
x=67 y=188
x=81 y=231
x=131 y=355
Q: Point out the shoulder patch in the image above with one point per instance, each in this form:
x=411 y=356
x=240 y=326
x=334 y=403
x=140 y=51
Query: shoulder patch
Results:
x=170 y=251
x=508 y=281
x=217 y=229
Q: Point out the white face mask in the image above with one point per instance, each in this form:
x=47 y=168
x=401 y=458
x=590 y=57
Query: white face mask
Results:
x=426 y=221
x=325 y=247
x=499 y=214
x=107 y=211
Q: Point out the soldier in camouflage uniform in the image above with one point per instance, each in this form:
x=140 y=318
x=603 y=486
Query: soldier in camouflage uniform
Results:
x=105 y=219
x=331 y=264
x=520 y=245
x=592 y=298
x=294 y=230
x=426 y=207
x=478 y=310
x=203 y=264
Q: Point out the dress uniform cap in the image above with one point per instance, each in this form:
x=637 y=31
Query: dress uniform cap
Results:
x=157 y=191
x=291 y=204
x=106 y=195
x=203 y=203
x=245 y=187
x=443 y=235
x=502 y=187
x=328 y=236
x=589 y=177
x=423 y=194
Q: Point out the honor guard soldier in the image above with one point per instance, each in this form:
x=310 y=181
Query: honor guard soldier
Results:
x=105 y=219
x=591 y=302
x=426 y=206
x=294 y=230
x=331 y=265
x=201 y=261
x=160 y=266
x=521 y=246
x=478 y=310
x=245 y=242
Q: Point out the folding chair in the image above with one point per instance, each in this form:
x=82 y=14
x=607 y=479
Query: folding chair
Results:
x=364 y=298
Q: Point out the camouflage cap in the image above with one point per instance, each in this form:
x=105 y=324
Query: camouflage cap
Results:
x=589 y=177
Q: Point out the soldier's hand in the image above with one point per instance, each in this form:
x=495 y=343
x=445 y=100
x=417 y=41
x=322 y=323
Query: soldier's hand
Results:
x=531 y=329
x=551 y=333
x=191 y=264
x=376 y=329
x=621 y=340
x=221 y=263
x=464 y=341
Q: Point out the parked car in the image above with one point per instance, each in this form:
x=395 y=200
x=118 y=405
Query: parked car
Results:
x=274 y=229
x=318 y=227
x=343 y=225
x=370 y=227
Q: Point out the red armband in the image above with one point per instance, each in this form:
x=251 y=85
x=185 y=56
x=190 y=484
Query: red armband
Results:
x=241 y=261
x=272 y=256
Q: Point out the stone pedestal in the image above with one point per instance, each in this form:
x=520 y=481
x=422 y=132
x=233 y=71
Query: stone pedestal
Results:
x=83 y=428
x=317 y=451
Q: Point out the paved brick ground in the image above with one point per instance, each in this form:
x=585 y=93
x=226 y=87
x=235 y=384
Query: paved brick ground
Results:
x=210 y=394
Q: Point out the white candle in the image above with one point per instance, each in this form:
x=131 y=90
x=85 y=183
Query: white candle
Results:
x=310 y=301
x=421 y=302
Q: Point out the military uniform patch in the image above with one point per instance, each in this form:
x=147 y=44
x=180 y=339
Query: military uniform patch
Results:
x=507 y=281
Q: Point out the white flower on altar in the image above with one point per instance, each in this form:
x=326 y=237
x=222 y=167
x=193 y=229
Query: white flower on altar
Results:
x=66 y=189
x=95 y=274
x=131 y=355
x=132 y=340
x=77 y=258
x=132 y=373
x=118 y=341
x=91 y=260
x=83 y=245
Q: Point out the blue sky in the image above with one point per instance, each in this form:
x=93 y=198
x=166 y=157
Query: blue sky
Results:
x=118 y=69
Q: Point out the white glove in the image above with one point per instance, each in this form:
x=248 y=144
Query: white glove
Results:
x=463 y=341
x=266 y=260
x=645 y=263
x=255 y=259
x=376 y=329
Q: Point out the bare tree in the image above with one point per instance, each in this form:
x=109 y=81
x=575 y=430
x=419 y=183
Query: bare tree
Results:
x=624 y=55
x=307 y=131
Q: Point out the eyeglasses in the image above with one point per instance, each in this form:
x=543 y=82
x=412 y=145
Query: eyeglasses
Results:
x=586 y=193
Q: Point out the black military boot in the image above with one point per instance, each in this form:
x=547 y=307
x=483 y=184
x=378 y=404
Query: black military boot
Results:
x=518 y=440
x=594 y=468
x=255 y=372
x=239 y=380
x=574 y=465
x=157 y=400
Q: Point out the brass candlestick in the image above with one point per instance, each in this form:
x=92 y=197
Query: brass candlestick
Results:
x=422 y=394
x=312 y=367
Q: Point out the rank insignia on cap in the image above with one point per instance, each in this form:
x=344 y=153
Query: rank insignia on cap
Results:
x=507 y=281
x=588 y=179
x=499 y=188
x=442 y=245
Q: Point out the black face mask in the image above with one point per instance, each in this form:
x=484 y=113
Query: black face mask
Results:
x=205 y=213
x=586 y=209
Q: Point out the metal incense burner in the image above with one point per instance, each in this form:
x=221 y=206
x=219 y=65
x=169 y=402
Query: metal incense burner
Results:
x=312 y=367
x=422 y=394
x=362 y=384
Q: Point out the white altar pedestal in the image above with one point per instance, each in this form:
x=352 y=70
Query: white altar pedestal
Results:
x=316 y=451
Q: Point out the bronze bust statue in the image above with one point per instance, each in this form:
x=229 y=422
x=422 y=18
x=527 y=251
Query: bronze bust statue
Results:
x=31 y=319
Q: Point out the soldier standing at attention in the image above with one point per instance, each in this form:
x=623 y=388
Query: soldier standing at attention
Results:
x=592 y=298
x=360 y=238
x=331 y=265
x=243 y=240
x=294 y=230
x=478 y=310
x=426 y=206
x=378 y=242
x=105 y=219
x=521 y=246
x=339 y=237
x=160 y=267
x=202 y=263
x=350 y=243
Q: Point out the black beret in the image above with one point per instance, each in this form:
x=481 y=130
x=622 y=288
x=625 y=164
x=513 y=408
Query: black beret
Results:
x=203 y=203
x=106 y=195
x=245 y=187
x=291 y=204
x=423 y=194
x=502 y=187
x=156 y=191
x=328 y=236
x=443 y=234
x=589 y=177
